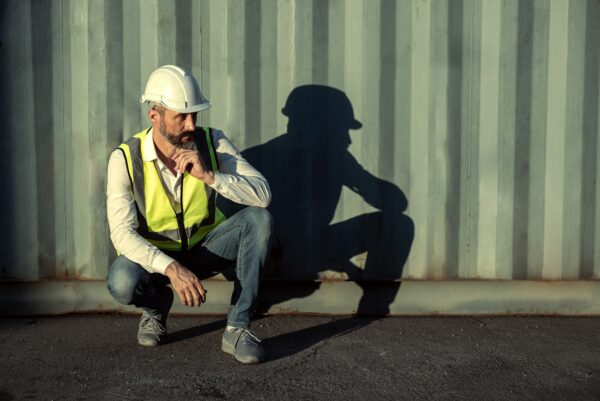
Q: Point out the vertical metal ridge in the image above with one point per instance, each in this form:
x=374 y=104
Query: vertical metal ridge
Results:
x=253 y=47
x=523 y=132
x=224 y=113
x=418 y=191
x=59 y=131
x=205 y=67
x=438 y=138
x=132 y=72
x=590 y=125
x=270 y=108
x=303 y=54
x=507 y=134
x=20 y=157
x=98 y=86
x=79 y=184
x=469 y=145
x=555 y=142
x=488 y=180
x=454 y=101
x=166 y=29
x=539 y=88
x=593 y=14
x=320 y=42
x=574 y=134
x=184 y=38
x=43 y=85
x=472 y=239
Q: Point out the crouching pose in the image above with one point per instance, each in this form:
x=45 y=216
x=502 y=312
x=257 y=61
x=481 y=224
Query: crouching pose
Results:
x=164 y=223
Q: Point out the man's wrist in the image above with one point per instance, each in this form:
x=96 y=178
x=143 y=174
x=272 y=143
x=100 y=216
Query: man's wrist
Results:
x=171 y=268
x=160 y=262
x=209 y=178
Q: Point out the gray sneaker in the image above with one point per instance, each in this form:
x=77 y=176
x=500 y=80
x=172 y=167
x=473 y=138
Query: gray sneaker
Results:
x=152 y=329
x=244 y=345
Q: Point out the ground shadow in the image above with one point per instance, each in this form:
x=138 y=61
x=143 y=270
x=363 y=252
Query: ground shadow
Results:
x=288 y=344
x=196 y=331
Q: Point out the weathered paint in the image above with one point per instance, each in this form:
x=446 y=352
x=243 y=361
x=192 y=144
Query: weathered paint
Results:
x=479 y=138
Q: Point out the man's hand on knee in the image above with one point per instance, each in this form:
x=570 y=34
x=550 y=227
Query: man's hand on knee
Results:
x=186 y=284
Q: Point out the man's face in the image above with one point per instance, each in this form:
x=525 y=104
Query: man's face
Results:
x=178 y=128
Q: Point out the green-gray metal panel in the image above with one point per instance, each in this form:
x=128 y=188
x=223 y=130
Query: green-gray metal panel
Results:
x=488 y=167
x=483 y=114
x=555 y=141
x=56 y=175
x=79 y=206
x=131 y=48
x=438 y=136
x=573 y=149
x=589 y=203
x=507 y=111
x=417 y=192
x=43 y=142
x=21 y=257
x=537 y=110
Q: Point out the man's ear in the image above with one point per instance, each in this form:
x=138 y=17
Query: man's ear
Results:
x=154 y=116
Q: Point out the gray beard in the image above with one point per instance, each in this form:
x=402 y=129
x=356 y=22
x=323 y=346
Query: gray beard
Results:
x=191 y=145
x=176 y=141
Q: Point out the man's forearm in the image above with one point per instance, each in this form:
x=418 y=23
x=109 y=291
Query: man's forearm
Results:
x=250 y=191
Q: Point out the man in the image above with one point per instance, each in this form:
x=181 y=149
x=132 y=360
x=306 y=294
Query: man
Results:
x=164 y=223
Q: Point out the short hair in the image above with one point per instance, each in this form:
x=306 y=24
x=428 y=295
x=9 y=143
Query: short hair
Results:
x=156 y=106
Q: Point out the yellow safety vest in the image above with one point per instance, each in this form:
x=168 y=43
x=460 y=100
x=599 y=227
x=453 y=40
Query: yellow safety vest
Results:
x=159 y=221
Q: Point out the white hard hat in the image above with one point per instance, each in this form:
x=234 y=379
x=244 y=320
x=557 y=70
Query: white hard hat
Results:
x=176 y=89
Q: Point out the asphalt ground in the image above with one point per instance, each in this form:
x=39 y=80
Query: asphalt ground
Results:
x=96 y=357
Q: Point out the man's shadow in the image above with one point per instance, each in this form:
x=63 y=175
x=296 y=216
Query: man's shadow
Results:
x=307 y=167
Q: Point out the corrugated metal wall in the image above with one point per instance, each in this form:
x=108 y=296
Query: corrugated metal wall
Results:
x=477 y=156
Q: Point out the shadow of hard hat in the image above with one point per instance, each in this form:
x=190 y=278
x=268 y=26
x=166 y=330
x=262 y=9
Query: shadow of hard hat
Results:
x=310 y=102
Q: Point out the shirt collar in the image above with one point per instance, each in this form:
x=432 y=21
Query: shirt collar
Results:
x=149 y=149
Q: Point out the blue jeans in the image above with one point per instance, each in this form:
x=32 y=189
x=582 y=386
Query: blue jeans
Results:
x=244 y=238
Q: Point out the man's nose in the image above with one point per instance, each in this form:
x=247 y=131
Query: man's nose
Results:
x=190 y=124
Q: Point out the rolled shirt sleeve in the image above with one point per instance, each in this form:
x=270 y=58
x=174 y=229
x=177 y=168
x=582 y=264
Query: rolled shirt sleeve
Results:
x=237 y=180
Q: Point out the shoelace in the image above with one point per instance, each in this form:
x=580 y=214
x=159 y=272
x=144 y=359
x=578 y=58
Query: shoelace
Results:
x=250 y=335
x=151 y=325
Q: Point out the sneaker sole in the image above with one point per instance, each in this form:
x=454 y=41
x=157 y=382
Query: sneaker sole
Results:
x=228 y=349
x=148 y=343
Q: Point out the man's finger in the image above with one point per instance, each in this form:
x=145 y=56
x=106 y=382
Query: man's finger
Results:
x=192 y=297
x=182 y=296
x=198 y=296
x=184 y=162
x=178 y=164
x=202 y=292
x=178 y=153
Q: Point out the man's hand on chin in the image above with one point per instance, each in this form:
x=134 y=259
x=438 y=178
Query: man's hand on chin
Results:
x=190 y=160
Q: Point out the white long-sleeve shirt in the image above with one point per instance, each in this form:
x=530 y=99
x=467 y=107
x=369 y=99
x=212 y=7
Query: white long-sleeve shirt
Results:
x=236 y=180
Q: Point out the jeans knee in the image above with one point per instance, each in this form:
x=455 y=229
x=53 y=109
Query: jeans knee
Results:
x=122 y=283
x=260 y=222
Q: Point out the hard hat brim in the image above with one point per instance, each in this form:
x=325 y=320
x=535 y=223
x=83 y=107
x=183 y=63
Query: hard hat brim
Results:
x=190 y=109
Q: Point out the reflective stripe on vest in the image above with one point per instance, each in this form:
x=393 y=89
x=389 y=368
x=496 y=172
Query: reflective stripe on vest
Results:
x=158 y=222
